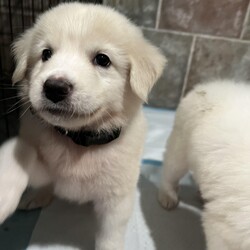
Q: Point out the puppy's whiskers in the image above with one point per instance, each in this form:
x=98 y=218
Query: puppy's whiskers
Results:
x=9 y=86
x=9 y=98
x=73 y=112
x=25 y=111
x=107 y=112
x=15 y=104
x=13 y=109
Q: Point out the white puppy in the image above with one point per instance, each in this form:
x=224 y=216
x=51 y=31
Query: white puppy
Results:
x=211 y=137
x=84 y=71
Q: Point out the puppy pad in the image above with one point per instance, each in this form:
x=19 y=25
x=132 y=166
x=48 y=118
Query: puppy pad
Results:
x=68 y=226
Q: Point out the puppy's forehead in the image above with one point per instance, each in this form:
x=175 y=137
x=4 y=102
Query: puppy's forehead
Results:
x=75 y=20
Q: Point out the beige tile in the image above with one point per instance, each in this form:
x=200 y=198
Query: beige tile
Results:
x=167 y=91
x=218 y=58
x=142 y=12
x=216 y=17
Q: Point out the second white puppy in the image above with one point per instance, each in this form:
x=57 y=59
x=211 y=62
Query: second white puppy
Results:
x=211 y=137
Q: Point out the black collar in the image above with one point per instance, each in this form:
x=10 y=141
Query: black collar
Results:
x=88 y=138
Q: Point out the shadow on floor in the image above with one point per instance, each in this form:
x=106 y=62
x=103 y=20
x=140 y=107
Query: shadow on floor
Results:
x=179 y=229
x=64 y=224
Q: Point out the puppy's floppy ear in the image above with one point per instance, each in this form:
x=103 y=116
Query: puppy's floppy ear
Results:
x=20 y=50
x=147 y=64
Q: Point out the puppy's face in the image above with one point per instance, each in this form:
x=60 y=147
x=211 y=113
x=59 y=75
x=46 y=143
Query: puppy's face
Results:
x=80 y=65
x=76 y=77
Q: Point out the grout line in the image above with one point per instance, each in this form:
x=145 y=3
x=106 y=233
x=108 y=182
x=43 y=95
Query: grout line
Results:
x=158 y=15
x=190 y=59
x=245 y=22
x=199 y=35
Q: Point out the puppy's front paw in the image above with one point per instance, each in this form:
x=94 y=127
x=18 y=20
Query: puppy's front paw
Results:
x=108 y=246
x=9 y=198
x=168 y=200
x=33 y=199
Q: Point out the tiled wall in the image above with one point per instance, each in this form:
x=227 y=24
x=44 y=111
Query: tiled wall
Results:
x=202 y=40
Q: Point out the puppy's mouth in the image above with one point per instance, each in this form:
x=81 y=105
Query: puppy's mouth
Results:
x=64 y=113
x=82 y=137
x=69 y=113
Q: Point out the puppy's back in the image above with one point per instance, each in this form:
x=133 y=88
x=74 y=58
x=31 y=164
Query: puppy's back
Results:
x=214 y=120
x=221 y=96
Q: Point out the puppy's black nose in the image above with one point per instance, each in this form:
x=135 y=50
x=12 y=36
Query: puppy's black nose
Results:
x=57 y=89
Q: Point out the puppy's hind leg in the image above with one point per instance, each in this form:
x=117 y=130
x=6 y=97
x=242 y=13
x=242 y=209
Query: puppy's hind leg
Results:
x=174 y=168
x=213 y=228
x=15 y=157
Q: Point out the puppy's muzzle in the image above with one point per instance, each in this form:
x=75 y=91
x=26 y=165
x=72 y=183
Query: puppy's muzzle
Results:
x=57 y=89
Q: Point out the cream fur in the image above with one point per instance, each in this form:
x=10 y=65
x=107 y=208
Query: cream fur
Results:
x=103 y=98
x=211 y=138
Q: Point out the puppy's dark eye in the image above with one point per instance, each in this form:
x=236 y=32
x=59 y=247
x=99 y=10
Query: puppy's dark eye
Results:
x=46 y=54
x=102 y=60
